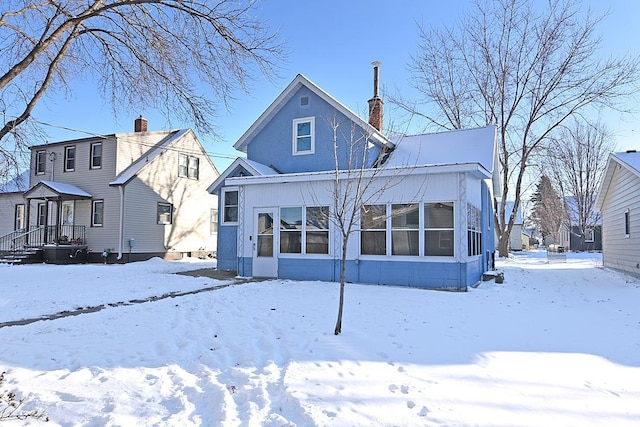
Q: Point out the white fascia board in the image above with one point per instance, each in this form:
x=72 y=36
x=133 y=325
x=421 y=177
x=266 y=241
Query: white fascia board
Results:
x=472 y=168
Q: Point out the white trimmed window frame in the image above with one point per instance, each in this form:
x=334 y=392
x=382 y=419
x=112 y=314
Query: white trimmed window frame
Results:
x=224 y=206
x=95 y=160
x=295 y=136
x=68 y=158
x=97 y=213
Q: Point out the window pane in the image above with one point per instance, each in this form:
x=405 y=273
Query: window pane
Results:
x=265 y=223
x=96 y=155
x=438 y=242
x=303 y=144
x=231 y=198
x=318 y=218
x=193 y=167
x=438 y=215
x=405 y=243
x=164 y=213
x=373 y=242
x=97 y=212
x=373 y=217
x=405 y=216
x=291 y=218
x=231 y=214
x=290 y=242
x=265 y=245
x=230 y=206
x=317 y=242
x=182 y=165
x=70 y=161
x=304 y=129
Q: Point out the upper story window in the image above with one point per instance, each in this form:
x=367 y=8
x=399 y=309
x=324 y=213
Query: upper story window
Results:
x=96 y=155
x=304 y=136
x=41 y=162
x=188 y=166
x=70 y=158
x=230 y=200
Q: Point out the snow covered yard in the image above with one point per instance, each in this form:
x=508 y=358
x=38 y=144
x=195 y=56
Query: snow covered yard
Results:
x=556 y=344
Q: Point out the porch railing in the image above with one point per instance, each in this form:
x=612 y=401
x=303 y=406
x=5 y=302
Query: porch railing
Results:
x=40 y=235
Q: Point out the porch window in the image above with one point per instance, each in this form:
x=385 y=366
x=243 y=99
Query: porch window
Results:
x=304 y=136
x=405 y=229
x=69 y=159
x=213 y=221
x=317 y=230
x=41 y=162
x=373 y=226
x=474 y=231
x=18 y=223
x=230 y=212
x=42 y=214
x=97 y=213
x=438 y=229
x=291 y=230
x=165 y=213
x=96 y=155
x=627 y=223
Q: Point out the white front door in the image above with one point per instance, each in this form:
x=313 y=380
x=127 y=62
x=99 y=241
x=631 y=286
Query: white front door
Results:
x=265 y=260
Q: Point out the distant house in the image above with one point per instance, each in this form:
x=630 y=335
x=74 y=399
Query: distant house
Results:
x=516 y=235
x=12 y=214
x=433 y=228
x=619 y=203
x=120 y=197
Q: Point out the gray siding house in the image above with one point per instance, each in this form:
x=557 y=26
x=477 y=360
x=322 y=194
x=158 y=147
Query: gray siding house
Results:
x=116 y=198
x=619 y=203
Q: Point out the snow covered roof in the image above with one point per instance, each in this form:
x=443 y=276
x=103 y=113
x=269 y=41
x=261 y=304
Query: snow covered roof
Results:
x=452 y=147
x=133 y=169
x=286 y=95
x=629 y=160
x=59 y=188
x=19 y=184
x=251 y=166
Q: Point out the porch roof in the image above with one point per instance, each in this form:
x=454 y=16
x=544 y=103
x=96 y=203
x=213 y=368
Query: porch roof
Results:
x=53 y=189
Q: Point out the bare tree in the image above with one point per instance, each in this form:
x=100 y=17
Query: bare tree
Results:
x=142 y=53
x=576 y=159
x=526 y=70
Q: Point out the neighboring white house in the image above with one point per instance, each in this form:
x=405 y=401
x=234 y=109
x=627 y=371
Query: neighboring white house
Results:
x=516 y=235
x=429 y=225
x=123 y=197
x=619 y=203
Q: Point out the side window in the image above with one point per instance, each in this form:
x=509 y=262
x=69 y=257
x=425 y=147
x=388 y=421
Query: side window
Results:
x=194 y=167
x=18 y=223
x=405 y=229
x=69 y=159
x=165 y=213
x=97 y=213
x=213 y=221
x=627 y=223
x=317 y=230
x=373 y=226
x=42 y=214
x=291 y=230
x=304 y=136
x=41 y=162
x=183 y=165
x=438 y=229
x=230 y=200
x=96 y=155
x=188 y=166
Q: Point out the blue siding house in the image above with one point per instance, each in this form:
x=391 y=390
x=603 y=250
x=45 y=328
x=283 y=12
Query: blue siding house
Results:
x=424 y=217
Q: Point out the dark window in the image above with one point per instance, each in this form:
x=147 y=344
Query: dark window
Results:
x=405 y=229
x=230 y=206
x=97 y=213
x=165 y=213
x=291 y=230
x=42 y=214
x=317 y=230
x=69 y=159
x=96 y=155
x=373 y=234
x=627 y=223
x=438 y=229
x=41 y=162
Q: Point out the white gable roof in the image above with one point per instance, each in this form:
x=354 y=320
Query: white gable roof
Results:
x=629 y=160
x=19 y=184
x=446 y=148
x=50 y=188
x=286 y=95
x=253 y=167
x=148 y=157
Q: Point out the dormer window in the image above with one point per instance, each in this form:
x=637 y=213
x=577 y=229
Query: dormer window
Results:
x=304 y=136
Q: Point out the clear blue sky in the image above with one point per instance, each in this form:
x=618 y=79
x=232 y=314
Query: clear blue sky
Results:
x=333 y=43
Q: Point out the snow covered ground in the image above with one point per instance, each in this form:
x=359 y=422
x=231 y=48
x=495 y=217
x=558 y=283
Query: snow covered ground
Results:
x=558 y=344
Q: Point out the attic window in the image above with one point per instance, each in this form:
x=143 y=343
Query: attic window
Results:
x=304 y=136
x=304 y=101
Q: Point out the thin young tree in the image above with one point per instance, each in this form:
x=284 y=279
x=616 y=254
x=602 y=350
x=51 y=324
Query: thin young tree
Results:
x=526 y=69
x=576 y=159
x=185 y=58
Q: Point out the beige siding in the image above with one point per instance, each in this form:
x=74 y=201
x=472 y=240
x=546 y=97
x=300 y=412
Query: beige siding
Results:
x=159 y=182
x=8 y=202
x=619 y=251
x=131 y=146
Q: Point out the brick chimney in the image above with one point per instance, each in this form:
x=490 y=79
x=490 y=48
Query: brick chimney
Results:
x=140 y=124
x=375 y=103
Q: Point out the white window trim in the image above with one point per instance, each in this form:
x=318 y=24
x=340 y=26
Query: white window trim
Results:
x=66 y=156
x=93 y=213
x=222 y=197
x=92 y=156
x=303 y=236
x=294 y=134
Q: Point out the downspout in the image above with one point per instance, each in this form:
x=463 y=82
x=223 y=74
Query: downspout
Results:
x=121 y=226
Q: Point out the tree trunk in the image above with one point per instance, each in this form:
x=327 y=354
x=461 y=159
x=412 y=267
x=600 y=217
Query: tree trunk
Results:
x=343 y=269
x=503 y=245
